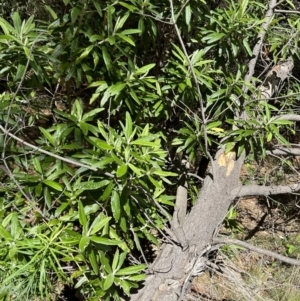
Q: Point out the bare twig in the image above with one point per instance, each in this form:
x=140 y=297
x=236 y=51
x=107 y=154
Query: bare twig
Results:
x=278 y=11
x=230 y=241
x=257 y=47
x=46 y=152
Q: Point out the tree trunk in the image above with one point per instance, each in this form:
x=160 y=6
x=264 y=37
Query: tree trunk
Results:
x=170 y=273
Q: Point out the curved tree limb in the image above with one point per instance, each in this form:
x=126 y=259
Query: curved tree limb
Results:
x=264 y=190
x=230 y=241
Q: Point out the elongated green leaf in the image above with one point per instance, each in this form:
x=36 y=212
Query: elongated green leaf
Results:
x=188 y=14
x=164 y=173
x=131 y=270
x=140 y=277
x=108 y=281
x=135 y=169
x=131 y=31
x=213 y=124
x=93 y=261
x=213 y=37
x=83 y=243
x=121 y=22
x=115 y=260
x=75 y=11
x=281 y=121
x=122 y=170
x=126 y=39
x=144 y=69
x=53 y=185
x=247 y=46
x=48 y=136
x=37 y=165
x=4 y=233
x=82 y=216
x=47 y=197
x=98 y=7
x=146 y=142
x=106 y=57
x=128 y=126
x=105 y=262
x=116 y=205
x=51 y=11
x=105 y=241
x=98 y=224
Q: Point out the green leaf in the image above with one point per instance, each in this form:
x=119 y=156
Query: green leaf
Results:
x=105 y=262
x=98 y=7
x=83 y=243
x=140 y=277
x=85 y=53
x=116 y=89
x=93 y=261
x=116 y=205
x=188 y=14
x=122 y=170
x=131 y=270
x=4 y=233
x=213 y=124
x=131 y=31
x=121 y=22
x=107 y=192
x=144 y=69
x=53 y=185
x=146 y=142
x=247 y=46
x=108 y=281
x=106 y=57
x=37 y=165
x=135 y=169
x=126 y=39
x=281 y=121
x=101 y=143
x=48 y=136
x=51 y=11
x=213 y=37
x=82 y=217
x=47 y=197
x=128 y=126
x=75 y=11
x=122 y=258
x=105 y=241
x=164 y=173
x=115 y=260
x=98 y=224
x=17 y=21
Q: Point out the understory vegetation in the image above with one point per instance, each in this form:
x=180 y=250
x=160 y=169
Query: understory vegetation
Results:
x=102 y=104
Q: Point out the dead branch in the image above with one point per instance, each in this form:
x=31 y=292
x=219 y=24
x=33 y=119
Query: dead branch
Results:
x=257 y=47
x=231 y=241
x=264 y=190
x=278 y=11
x=7 y=132
x=284 y=151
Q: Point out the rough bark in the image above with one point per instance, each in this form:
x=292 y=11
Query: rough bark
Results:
x=171 y=270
